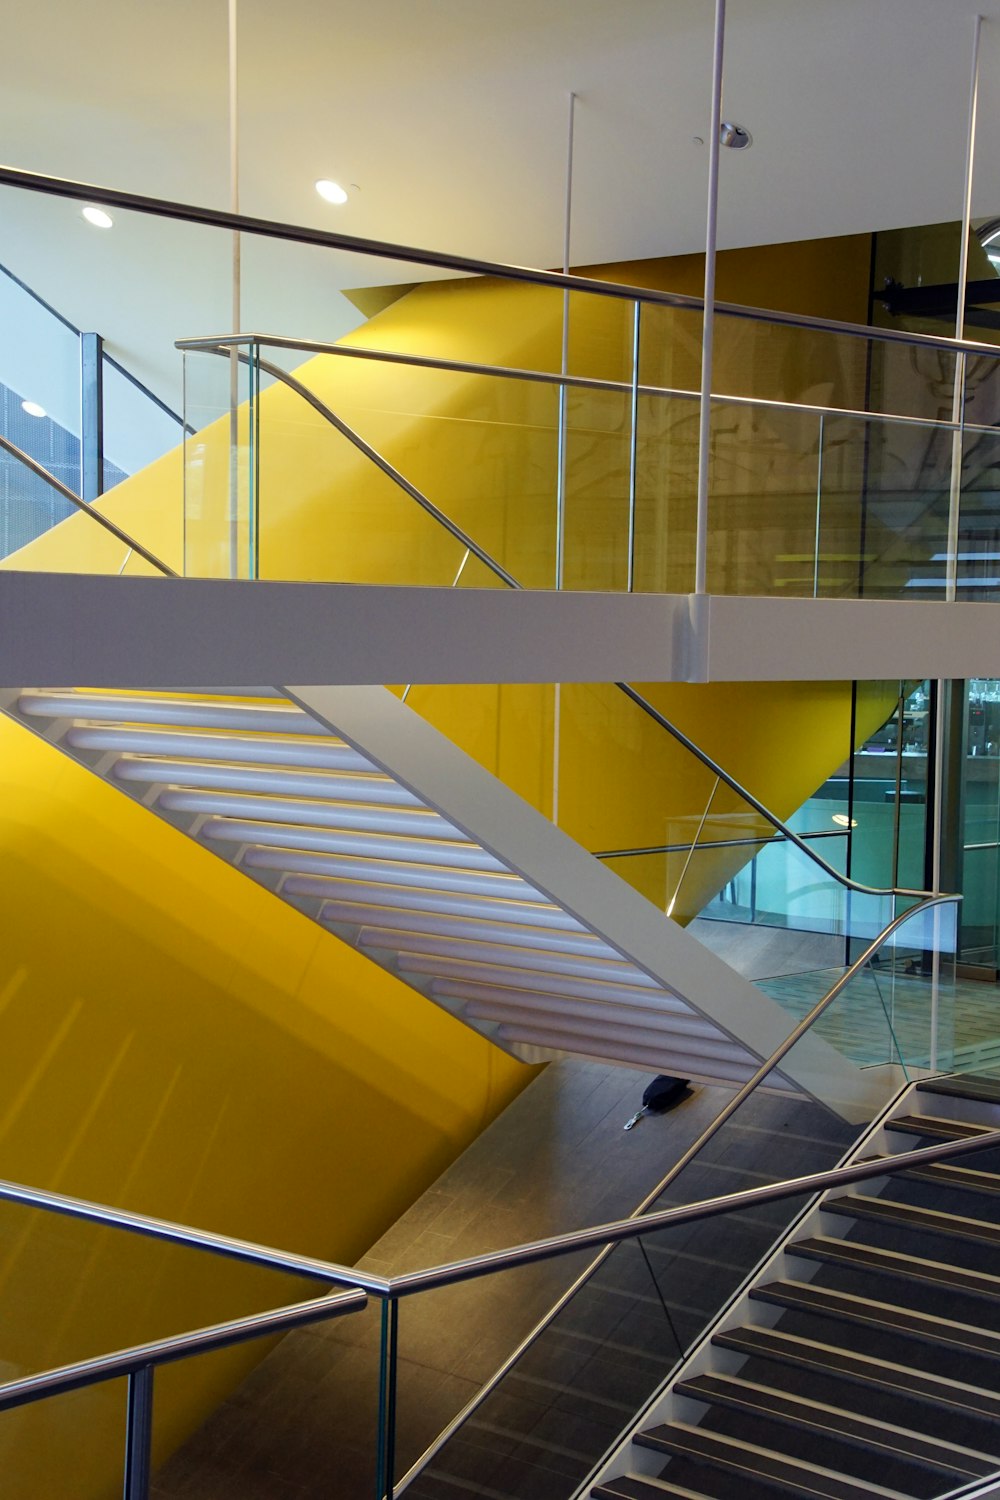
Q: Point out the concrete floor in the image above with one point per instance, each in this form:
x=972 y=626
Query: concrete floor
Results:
x=303 y=1424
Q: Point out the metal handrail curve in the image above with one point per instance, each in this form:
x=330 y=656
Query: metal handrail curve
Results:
x=164 y=208
x=41 y=472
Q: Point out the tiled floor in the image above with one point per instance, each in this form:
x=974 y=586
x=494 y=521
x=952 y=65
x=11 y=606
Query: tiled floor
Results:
x=558 y=1158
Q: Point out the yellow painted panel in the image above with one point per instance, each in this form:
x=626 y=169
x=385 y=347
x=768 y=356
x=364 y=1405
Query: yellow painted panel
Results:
x=178 y=1041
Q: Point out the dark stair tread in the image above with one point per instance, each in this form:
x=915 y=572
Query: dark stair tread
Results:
x=851 y=1309
x=634 y=1487
x=968 y=1086
x=888 y=1440
x=860 y=1206
x=893 y=1263
x=937 y=1127
x=746 y=1460
x=947 y=1175
x=862 y=1369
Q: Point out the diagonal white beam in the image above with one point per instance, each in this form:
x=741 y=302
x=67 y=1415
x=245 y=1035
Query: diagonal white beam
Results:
x=398 y=740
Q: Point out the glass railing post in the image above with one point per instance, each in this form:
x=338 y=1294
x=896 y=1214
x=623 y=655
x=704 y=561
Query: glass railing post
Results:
x=819 y=502
x=139 y=1434
x=253 y=460
x=385 y=1437
x=633 y=460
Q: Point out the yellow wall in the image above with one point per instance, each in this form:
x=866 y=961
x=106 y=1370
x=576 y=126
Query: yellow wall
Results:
x=177 y=1040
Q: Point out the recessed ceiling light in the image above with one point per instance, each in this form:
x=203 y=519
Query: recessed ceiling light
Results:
x=331 y=191
x=99 y=217
x=843 y=821
x=33 y=409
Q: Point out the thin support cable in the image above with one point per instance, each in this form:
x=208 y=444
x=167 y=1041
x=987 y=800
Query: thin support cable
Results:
x=694 y=845
x=681 y=1351
x=886 y=1011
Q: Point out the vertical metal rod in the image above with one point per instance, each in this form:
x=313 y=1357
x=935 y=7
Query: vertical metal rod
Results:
x=633 y=458
x=253 y=460
x=935 y=1008
x=900 y=704
x=234 y=365
x=562 y=446
x=564 y=358
x=708 y=320
x=958 y=393
x=139 y=1434
x=91 y=416
x=941 y=708
x=852 y=737
x=386 y=1436
x=819 y=504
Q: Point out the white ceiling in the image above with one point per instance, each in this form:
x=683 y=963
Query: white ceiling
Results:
x=450 y=116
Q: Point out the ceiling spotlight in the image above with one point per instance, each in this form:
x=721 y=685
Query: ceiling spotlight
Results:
x=99 y=217
x=33 y=409
x=331 y=191
x=736 y=137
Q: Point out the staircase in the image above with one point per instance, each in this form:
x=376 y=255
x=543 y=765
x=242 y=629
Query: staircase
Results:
x=864 y=1357
x=355 y=811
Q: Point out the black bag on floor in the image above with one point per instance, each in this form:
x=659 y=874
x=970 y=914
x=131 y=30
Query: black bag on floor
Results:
x=659 y=1096
x=663 y=1092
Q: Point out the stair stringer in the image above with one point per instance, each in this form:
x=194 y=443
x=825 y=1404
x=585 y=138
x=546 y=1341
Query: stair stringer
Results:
x=705 y=1357
x=413 y=752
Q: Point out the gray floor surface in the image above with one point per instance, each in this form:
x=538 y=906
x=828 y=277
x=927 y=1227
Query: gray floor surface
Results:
x=302 y=1425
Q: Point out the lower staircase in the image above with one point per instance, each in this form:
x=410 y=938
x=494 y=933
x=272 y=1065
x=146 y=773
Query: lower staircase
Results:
x=358 y=813
x=864 y=1357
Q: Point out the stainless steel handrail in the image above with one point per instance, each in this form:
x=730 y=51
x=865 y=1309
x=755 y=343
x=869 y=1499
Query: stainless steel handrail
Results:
x=507 y=578
x=758 y=806
x=63 y=187
x=710 y=1131
x=74 y=499
x=142 y=1357
x=223 y=343
x=196 y=1239
x=771 y=838
x=451 y=1273
x=177 y=1347
x=380 y=1286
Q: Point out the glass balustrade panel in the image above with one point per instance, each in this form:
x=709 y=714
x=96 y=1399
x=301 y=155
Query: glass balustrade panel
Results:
x=822 y=368
x=557 y=1409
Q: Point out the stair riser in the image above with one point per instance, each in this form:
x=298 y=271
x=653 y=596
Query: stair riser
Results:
x=709 y=1358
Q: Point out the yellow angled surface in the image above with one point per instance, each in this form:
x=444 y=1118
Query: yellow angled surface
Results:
x=177 y=1041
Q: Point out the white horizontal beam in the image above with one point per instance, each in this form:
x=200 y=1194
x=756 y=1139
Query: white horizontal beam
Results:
x=60 y=629
x=191 y=632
